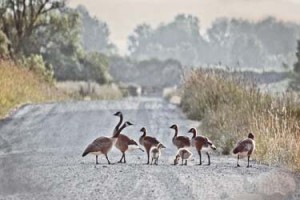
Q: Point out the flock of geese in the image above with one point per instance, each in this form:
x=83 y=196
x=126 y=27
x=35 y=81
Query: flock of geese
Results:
x=102 y=145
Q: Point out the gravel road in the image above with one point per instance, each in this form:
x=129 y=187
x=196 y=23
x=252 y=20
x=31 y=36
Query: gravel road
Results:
x=41 y=147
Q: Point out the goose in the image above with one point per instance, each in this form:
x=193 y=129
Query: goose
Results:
x=245 y=148
x=180 y=141
x=124 y=143
x=201 y=143
x=156 y=152
x=184 y=154
x=102 y=145
x=147 y=142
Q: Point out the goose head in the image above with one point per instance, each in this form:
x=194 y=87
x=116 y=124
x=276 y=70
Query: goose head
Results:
x=143 y=130
x=177 y=157
x=174 y=126
x=251 y=136
x=127 y=123
x=119 y=114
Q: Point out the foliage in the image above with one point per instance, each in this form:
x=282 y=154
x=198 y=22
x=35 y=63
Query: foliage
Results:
x=36 y=64
x=20 y=85
x=3 y=44
x=20 y=18
x=232 y=42
x=230 y=108
x=90 y=90
x=94 y=33
x=297 y=64
x=50 y=29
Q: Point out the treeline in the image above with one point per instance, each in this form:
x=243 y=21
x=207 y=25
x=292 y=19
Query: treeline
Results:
x=231 y=42
x=52 y=38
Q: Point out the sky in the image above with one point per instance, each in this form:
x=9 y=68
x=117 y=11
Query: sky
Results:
x=122 y=16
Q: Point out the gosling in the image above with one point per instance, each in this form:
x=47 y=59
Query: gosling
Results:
x=184 y=154
x=156 y=152
x=245 y=148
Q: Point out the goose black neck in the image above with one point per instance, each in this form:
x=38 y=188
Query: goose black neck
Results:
x=119 y=124
x=176 y=131
x=194 y=133
x=144 y=133
x=117 y=133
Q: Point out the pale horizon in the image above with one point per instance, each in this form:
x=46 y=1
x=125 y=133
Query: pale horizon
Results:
x=122 y=16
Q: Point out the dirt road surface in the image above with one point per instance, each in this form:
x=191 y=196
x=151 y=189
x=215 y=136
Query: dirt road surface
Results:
x=41 y=147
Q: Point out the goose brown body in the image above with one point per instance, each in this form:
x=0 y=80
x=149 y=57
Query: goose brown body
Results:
x=245 y=148
x=201 y=143
x=123 y=142
x=102 y=145
x=180 y=141
x=147 y=142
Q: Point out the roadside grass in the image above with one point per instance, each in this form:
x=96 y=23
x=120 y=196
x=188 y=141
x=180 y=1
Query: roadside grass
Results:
x=19 y=85
x=230 y=107
x=90 y=90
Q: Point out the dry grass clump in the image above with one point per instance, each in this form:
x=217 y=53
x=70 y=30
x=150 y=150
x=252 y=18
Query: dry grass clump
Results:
x=18 y=85
x=230 y=108
x=90 y=90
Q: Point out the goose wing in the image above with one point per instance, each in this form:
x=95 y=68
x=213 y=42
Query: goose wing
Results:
x=182 y=141
x=150 y=141
x=244 y=146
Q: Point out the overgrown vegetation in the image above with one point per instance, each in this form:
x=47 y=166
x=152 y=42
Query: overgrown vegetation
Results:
x=19 y=85
x=90 y=90
x=230 y=108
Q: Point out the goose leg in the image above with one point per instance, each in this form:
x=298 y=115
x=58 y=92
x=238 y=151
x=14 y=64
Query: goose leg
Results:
x=199 y=152
x=107 y=159
x=148 y=157
x=156 y=161
x=121 y=158
x=97 y=160
x=185 y=162
x=238 y=158
x=208 y=158
x=248 y=162
x=124 y=157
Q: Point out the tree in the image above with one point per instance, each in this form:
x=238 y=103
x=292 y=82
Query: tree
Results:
x=94 y=34
x=20 y=18
x=297 y=64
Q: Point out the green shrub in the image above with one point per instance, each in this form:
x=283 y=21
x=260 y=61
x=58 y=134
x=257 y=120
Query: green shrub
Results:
x=36 y=64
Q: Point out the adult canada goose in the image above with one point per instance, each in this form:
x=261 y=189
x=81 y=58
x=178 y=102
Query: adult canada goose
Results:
x=201 y=143
x=124 y=143
x=102 y=145
x=245 y=148
x=156 y=152
x=184 y=154
x=147 y=142
x=180 y=141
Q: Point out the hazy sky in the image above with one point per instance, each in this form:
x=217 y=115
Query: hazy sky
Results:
x=122 y=16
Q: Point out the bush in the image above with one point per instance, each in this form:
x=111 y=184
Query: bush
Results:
x=36 y=64
x=230 y=108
